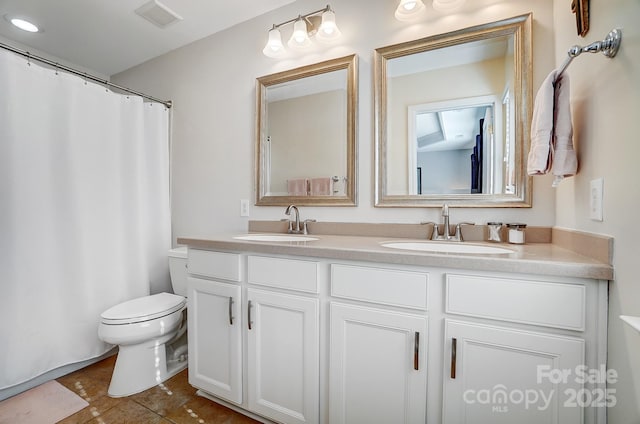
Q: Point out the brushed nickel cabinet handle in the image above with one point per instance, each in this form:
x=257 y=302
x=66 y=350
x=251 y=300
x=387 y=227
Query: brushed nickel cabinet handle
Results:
x=230 y=310
x=454 y=343
x=416 y=351
x=249 y=314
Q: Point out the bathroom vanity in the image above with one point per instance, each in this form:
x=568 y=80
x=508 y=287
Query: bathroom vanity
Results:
x=342 y=329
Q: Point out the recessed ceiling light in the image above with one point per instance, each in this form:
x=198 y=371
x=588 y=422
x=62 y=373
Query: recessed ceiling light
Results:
x=22 y=23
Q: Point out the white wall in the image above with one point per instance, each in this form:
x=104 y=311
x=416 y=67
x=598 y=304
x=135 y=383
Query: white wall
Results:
x=605 y=98
x=212 y=84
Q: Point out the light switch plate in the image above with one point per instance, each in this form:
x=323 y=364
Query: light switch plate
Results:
x=595 y=199
x=244 y=207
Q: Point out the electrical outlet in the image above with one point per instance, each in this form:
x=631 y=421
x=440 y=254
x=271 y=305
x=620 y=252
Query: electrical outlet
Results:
x=244 y=207
x=595 y=199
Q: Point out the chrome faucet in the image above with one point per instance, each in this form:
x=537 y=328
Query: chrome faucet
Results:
x=297 y=229
x=446 y=231
x=287 y=212
x=445 y=218
x=446 y=235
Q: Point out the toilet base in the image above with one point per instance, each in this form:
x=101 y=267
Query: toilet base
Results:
x=140 y=367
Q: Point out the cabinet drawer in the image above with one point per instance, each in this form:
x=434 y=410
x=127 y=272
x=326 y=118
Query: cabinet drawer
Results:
x=385 y=286
x=283 y=273
x=541 y=303
x=214 y=264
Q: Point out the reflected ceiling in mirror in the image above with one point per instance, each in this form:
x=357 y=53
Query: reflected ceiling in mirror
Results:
x=452 y=118
x=306 y=135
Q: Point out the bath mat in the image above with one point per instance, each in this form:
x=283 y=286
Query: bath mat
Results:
x=46 y=404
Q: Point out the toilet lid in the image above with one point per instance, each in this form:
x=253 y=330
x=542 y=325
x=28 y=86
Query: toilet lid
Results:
x=143 y=309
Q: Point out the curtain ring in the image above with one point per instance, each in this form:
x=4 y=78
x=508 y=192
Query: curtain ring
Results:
x=28 y=59
x=85 y=78
x=56 y=68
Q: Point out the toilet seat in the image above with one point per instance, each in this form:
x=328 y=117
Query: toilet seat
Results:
x=143 y=309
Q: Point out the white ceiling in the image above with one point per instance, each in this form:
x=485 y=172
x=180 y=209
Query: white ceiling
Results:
x=106 y=36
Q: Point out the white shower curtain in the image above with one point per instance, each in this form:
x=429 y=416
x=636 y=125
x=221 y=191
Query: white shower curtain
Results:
x=84 y=213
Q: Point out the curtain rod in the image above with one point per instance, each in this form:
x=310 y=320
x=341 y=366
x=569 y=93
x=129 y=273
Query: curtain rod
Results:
x=85 y=75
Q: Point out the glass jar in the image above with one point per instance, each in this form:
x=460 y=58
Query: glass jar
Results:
x=494 y=231
x=516 y=233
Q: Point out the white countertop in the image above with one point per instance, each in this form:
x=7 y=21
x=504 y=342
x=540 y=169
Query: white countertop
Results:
x=535 y=258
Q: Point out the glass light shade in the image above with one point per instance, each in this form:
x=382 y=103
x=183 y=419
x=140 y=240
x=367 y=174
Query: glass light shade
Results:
x=300 y=38
x=447 y=5
x=274 y=47
x=409 y=10
x=328 y=30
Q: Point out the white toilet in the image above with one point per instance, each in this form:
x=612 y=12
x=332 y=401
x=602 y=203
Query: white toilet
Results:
x=151 y=333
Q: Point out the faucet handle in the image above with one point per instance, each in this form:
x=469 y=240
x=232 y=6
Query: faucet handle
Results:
x=435 y=235
x=290 y=229
x=304 y=225
x=434 y=232
x=458 y=235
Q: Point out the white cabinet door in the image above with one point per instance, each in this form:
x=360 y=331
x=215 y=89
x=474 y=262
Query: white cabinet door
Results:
x=378 y=368
x=498 y=375
x=215 y=342
x=283 y=356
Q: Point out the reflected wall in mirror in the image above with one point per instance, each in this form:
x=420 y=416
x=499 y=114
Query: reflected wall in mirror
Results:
x=452 y=118
x=306 y=135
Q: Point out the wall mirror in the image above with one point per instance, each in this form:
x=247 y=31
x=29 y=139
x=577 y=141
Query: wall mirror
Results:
x=306 y=135
x=452 y=118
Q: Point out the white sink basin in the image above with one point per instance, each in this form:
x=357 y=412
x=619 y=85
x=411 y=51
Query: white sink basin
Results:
x=274 y=237
x=450 y=247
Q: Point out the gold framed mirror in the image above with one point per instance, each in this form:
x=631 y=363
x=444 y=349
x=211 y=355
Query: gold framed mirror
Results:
x=306 y=135
x=452 y=118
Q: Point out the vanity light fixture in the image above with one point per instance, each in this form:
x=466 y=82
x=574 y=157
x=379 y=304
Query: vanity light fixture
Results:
x=409 y=10
x=323 y=28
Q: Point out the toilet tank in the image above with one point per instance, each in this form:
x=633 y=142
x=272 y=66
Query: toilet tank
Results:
x=178 y=270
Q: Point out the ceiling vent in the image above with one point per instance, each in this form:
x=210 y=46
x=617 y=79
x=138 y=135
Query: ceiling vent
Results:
x=158 y=14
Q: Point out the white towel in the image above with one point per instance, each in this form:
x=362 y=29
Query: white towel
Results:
x=551 y=130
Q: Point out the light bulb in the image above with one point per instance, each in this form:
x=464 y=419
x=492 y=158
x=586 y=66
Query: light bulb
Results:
x=410 y=5
x=409 y=10
x=328 y=30
x=274 y=47
x=300 y=37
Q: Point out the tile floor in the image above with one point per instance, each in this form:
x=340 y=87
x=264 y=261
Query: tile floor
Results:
x=174 y=401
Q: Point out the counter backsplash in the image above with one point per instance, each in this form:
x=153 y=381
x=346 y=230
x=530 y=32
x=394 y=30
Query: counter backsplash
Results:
x=594 y=246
